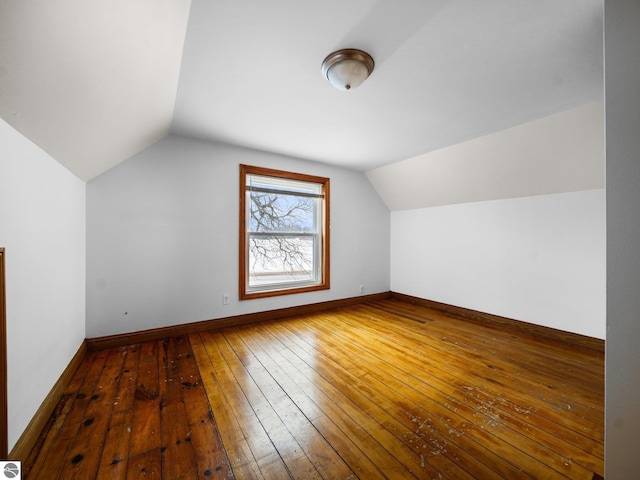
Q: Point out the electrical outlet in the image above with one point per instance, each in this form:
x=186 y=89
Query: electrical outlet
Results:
x=361 y=288
x=225 y=299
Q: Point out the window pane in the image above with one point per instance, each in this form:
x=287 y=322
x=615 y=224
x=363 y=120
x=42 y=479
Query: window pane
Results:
x=271 y=212
x=278 y=260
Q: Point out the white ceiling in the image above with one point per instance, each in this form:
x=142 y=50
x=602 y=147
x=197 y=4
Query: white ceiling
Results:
x=95 y=82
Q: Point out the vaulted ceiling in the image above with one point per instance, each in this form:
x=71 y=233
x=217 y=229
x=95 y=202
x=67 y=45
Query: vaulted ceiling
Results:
x=93 y=83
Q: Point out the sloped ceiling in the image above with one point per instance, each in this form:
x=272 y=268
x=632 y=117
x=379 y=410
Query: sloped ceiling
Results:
x=93 y=83
x=559 y=153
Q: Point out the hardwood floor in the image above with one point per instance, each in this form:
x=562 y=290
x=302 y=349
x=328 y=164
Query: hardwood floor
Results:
x=381 y=390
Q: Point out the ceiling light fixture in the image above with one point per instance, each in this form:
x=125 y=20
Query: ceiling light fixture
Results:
x=347 y=68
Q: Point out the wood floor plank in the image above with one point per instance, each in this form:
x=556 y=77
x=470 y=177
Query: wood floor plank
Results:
x=553 y=404
x=539 y=360
x=384 y=390
x=113 y=462
x=460 y=418
x=445 y=338
x=551 y=440
x=569 y=347
x=316 y=448
x=145 y=429
x=241 y=459
x=177 y=456
x=145 y=465
x=347 y=438
x=50 y=433
x=431 y=445
x=286 y=445
x=35 y=463
x=125 y=398
x=50 y=464
x=251 y=452
x=443 y=373
x=85 y=450
x=394 y=436
x=529 y=360
x=210 y=456
x=115 y=455
x=370 y=435
x=440 y=429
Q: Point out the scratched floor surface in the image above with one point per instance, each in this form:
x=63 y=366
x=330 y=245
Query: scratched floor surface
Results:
x=383 y=390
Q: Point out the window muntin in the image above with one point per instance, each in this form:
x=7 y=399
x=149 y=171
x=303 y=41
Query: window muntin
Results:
x=284 y=245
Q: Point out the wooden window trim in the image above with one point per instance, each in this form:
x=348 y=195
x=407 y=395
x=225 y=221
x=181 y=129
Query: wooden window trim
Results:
x=4 y=438
x=325 y=267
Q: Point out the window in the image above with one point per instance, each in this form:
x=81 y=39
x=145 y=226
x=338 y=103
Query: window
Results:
x=284 y=232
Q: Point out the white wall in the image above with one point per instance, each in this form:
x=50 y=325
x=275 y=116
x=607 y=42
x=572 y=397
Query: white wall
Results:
x=622 y=99
x=537 y=259
x=511 y=224
x=42 y=227
x=162 y=237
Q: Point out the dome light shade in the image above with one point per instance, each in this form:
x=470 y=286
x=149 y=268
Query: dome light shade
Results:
x=347 y=68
